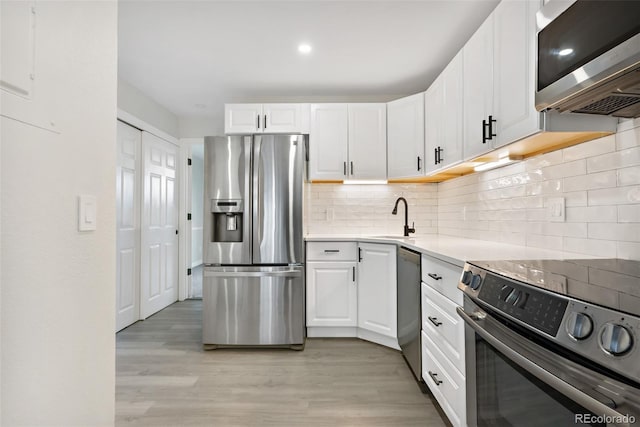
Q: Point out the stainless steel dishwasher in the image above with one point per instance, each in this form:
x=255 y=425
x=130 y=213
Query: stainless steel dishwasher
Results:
x=409 y=311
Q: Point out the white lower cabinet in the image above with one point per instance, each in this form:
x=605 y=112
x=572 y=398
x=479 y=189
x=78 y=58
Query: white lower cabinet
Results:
x=332 y=297
x=351 y=291
x=445 y=382
x=443 y=360
x=377 y=276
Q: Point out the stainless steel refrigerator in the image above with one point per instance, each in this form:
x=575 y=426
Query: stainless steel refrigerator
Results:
x=253 y=287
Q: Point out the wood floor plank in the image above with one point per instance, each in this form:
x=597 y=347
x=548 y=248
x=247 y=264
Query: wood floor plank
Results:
x=165 y=378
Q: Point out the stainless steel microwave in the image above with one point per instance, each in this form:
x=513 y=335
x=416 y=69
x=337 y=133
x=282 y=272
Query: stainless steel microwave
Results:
x=589 y=57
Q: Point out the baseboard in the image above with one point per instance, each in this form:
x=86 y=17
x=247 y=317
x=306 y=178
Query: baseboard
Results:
x=352 y=332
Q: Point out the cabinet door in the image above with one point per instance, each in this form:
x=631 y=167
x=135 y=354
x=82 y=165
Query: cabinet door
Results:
x=331 y=294
x=452 y=113
x=405 y=137
x=242 y=118
x=478 y=88
x=377 y=279
x=443 y=118
x=514 y=71
x=367 y=141
x=328 y=142
x=282 y=118
x=433 y=123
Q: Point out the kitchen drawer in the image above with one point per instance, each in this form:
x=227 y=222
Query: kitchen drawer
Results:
x=450 y=392
x=443 y=277
x=443 y=325
x=332 y=251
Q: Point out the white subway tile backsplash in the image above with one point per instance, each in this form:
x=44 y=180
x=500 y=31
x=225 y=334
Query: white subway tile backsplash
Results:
x=616 y=160
x=601 y=188
x=628 y=138
x=592 y=181
x=592 y=214
x=629 y=176
x=629 y=213
x=593 y=148
x=614 y=196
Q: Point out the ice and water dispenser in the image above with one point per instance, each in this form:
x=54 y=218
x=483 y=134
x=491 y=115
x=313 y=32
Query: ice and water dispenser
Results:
x=227 y=216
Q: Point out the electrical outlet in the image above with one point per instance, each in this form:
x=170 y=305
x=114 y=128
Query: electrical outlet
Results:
x=555 y=209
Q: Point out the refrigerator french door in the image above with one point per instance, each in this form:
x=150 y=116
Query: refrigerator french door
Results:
x=253 y=289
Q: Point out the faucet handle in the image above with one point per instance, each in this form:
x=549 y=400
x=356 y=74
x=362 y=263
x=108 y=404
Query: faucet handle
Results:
x=412 y=229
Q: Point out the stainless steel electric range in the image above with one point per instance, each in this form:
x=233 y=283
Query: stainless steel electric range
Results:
x=552 y=343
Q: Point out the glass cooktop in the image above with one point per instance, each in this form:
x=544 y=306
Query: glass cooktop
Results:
x=610 y=283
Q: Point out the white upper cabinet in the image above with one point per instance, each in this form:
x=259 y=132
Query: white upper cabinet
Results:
x=405 y=137
x=367 y=141
x=348 y=141
x=477 y=61
x=499 y=78
x=266 y=118
x=443 y=118
x=328 y=139
x=514 y=75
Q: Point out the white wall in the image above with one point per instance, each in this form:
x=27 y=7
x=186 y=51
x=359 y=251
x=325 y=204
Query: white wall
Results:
x=366 y=209
x=58 y=293
x=134 y=102
x=600 y=181
x=198 y=127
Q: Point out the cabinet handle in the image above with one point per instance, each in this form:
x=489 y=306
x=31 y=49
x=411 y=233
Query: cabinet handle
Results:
x=344 y=168
x=435 y=156
x=258 y=127
x=359 y=254
x=491 y=122
x=351 y=168
x=434 y=276
x=265 y=122
x=484 y=131
x=419 y=167
x=354 y=274
x=331 y=251
x=434 y=377
x=440 y=150
x=434 y=320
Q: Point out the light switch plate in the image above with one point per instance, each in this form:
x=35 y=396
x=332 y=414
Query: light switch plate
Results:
x=555 y=209
x=87 y=212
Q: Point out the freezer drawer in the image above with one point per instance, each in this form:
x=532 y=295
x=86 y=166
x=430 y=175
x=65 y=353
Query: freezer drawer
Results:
x=253 y=306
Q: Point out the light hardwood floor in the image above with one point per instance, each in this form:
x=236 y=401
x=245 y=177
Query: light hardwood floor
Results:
x=164 y=378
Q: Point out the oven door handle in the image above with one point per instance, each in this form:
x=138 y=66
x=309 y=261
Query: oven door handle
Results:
x=589 y=402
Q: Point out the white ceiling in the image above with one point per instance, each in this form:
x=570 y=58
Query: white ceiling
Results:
x=193 y=56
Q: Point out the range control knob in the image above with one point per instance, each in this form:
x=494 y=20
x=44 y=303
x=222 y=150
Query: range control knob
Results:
x=505 y=292
x=476 y=281
x=579 y=325
x=615 y=339
x=513 y=297
x=466 y=278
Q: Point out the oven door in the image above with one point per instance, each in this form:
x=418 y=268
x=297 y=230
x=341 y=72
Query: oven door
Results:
x=512 y=381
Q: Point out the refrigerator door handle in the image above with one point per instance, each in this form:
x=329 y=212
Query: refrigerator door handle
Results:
x=278 y=273
x=258 y=196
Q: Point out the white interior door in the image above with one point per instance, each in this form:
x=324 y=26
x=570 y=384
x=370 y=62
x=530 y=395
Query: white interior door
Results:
x=159 y=254
x=127 y=226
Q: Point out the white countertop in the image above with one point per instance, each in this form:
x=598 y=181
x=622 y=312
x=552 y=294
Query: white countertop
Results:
x=456 y=250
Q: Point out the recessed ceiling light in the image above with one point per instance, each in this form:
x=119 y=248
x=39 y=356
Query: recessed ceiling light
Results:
x=565 y=52
x=304 y=48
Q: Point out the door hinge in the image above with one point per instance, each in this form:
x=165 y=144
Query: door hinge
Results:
x=188 y=217
x=188 y=272
x=188 y=162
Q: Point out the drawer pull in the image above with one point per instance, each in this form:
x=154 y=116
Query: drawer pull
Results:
x=331 y=251
x=435 y=379
x=434 y=320
x=434 y=276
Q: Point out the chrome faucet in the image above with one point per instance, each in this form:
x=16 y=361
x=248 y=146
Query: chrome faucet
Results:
x=407 y=229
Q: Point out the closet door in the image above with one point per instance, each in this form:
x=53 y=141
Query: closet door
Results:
x=159 y=255
x=127 y=226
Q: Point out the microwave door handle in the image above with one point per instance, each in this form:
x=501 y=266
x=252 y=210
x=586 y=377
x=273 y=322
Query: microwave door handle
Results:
x=587 y=400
